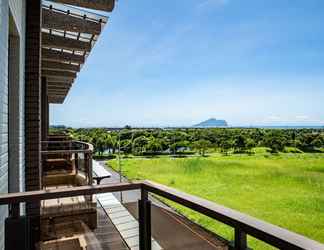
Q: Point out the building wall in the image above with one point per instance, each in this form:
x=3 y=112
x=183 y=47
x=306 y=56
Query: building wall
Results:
x=17 y=8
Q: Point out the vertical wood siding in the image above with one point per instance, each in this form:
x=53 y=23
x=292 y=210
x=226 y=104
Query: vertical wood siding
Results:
x=17 y=8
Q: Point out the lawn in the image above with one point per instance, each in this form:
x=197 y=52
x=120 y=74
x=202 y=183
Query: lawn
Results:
x=286 y=190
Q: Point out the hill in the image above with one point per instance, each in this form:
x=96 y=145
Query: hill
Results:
x=212 y=123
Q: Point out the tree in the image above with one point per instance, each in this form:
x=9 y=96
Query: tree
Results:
x=226 y=145
x=239 y=144
x=250 y=143
x=154 y=145
x=100 y=145
x=201 y=146
x=275 y=143
x=126 y=146
x=317 y=143
x=139 y=145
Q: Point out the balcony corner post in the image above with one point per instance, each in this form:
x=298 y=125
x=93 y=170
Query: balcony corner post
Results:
x=144 y=215
x=240 y=241
x=14 y=210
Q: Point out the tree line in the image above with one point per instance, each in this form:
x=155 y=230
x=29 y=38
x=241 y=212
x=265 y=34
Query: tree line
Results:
x=192 y=140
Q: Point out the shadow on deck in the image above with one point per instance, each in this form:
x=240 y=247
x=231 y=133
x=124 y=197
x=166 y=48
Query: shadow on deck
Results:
x=61 y=235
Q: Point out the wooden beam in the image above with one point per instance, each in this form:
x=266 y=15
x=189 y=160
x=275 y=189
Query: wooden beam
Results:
x=59 y=74
x=56 y=100
x=57 y=56
x=61 y=21
x=60 y=42
x=53 y=87
x=48 y=65
x=60 y=80
x=58 y=90
x=57 y=95
x=61 y=86
x=104 y=5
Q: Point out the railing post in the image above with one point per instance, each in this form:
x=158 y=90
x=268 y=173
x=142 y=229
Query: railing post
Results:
x=14 y=210
x=144 y=215
x=240 y=241
x=76 y=162
x=90 y=168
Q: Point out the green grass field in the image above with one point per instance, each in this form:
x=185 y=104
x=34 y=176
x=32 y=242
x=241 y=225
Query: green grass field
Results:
x=286 y=190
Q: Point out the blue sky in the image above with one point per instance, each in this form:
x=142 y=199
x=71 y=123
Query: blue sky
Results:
x=174 y=63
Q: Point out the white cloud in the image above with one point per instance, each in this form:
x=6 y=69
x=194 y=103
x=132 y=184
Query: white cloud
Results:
x=292 y=120
x=273 y=118
x=302 y=118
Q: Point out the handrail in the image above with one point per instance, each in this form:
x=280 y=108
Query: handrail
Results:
x=88 y=148
x=271 y=234
x=65 y=151
x=32 y=196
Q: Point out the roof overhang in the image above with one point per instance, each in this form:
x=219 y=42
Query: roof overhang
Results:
x=68 y=36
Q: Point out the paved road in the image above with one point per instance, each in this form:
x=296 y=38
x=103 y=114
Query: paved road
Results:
x=170 y=229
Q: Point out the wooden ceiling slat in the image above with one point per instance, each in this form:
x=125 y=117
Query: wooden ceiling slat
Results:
x=58 y=89
x=60 y=42
x=61 y=21
x=52 y=87
x=58 y=85
x=56 y=100
x=104 y=5
x=57 y=56
x=57 y=93
x=59 y=74
x=48 y=65
x=60 y=81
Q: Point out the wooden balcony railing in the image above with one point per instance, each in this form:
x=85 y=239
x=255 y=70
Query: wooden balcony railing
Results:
x=70 y=155
x=243 y=224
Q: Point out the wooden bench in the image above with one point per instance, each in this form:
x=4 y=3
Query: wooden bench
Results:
x=99 y=173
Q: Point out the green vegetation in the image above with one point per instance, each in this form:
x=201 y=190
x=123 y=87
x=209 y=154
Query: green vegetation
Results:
x=272 y=174
x=143 y=142
x=283 y=189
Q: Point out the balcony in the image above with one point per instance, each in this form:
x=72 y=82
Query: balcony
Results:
x=242 y=224
x=66 y=164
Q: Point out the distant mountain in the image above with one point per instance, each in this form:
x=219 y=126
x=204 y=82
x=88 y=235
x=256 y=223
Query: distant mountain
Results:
x=212 y=123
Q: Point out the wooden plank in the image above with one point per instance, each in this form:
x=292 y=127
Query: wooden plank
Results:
x=52 y=92
x=56 y=85
x=54 y=95
x=60 y=42
x=104 y=5
x=54 y=88
x=57 y=56
x=61 y=21
x=59 y=74
x=57 y=96
x=56 y=100
x=59 y=66
x=59 y=80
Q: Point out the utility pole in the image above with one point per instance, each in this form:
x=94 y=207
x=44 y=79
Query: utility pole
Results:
x=120 y=167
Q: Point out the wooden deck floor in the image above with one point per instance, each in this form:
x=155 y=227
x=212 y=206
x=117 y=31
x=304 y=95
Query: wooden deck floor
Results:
x=104 y=237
